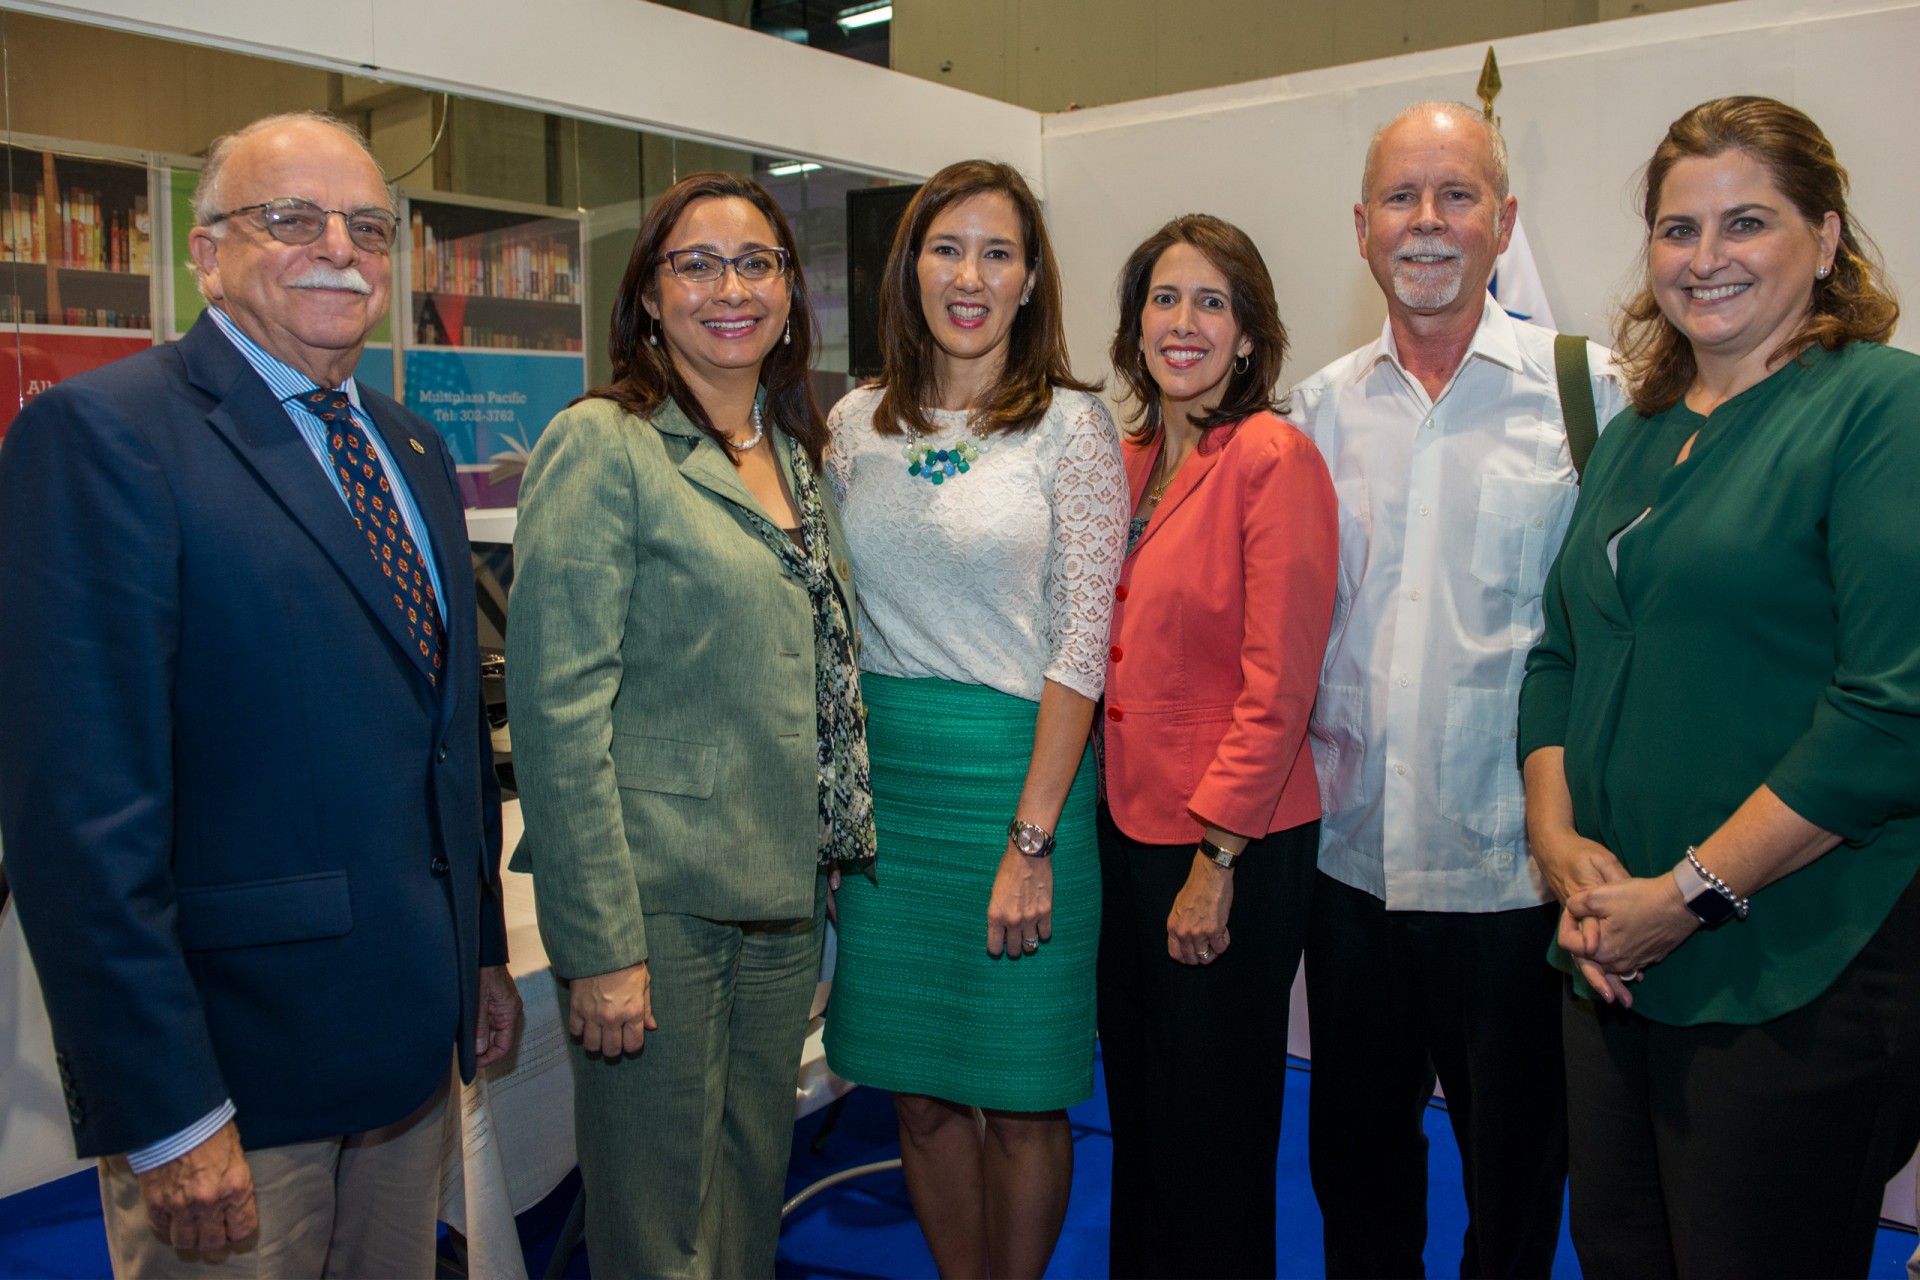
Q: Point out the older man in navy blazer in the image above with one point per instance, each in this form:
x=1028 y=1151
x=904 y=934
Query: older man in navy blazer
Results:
x=245 y=783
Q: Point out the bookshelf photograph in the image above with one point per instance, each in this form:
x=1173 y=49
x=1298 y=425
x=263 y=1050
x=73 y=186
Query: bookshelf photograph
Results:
x=76 y=242
x=494 y=279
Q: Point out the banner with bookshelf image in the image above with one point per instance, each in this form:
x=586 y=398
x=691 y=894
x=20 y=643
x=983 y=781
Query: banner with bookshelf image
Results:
x=76 y=241
x=502 y=279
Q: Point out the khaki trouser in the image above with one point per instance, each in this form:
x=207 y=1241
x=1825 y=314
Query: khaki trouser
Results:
x=360 y=1205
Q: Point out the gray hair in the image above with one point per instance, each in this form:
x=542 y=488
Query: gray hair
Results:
x=207 y=204
x=1496 y=145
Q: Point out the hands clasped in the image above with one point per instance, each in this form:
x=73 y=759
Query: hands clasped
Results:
x=1613 y=924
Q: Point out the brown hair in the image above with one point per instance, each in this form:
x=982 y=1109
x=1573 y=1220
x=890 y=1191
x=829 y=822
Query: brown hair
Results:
x=644 y=375
x=1036 y=347
x=1249 y=294
x=1853 y=304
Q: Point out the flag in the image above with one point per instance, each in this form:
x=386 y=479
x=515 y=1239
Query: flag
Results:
x=1516 y=282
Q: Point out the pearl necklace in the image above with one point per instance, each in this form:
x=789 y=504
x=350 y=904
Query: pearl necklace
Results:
x=759 y=433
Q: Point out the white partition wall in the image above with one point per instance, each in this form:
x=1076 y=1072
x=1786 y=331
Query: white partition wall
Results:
x=619 y=61
x=1582 y=109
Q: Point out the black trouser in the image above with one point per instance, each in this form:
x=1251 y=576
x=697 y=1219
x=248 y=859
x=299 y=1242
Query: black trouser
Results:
x=1196 y=1056
x=1395 y=998
x=1747 y=1151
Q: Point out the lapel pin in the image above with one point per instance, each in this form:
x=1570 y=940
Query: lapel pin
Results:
x=417 y=446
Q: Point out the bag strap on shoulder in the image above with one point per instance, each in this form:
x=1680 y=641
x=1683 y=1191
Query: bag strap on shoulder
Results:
x=1576 y=398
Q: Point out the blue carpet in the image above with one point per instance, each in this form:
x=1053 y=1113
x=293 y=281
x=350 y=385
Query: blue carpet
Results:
x=865 y=1228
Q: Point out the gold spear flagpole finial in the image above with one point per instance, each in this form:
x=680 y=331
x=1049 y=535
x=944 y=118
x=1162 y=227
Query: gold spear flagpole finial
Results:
x=1489 y=86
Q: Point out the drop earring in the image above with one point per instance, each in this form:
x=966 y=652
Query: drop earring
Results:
x=786 y=339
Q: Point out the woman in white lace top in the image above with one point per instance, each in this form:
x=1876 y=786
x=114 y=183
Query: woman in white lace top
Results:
x=985 y=504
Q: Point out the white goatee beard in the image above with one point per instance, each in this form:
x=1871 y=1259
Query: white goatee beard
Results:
x=1428 y=295
x=1430 y=286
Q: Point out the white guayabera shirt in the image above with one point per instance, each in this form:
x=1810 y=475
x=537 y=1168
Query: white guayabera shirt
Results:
x=1451 y=512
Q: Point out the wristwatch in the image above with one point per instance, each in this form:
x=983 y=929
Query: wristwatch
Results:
x=1216 y=855
x=1030 y=839
x=1706 y=895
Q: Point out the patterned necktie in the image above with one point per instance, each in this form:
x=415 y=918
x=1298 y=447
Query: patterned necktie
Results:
x=363 y=480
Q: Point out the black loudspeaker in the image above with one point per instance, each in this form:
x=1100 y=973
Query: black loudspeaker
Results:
x=872 y=215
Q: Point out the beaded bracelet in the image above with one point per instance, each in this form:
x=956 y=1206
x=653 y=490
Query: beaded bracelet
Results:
x=1740 y=904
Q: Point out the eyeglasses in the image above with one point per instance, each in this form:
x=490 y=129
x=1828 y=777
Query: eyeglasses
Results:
x=291 y=220
x=702 y=267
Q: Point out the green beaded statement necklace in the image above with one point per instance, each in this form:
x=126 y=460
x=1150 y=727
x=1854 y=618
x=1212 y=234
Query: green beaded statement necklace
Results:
x=937 y=465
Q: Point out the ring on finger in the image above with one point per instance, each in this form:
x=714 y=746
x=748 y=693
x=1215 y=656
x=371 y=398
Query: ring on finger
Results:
x=1029 y=945
x=1205 y=954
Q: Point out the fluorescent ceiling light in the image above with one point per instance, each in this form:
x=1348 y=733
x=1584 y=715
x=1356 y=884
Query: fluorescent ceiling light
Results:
x=791 y=167
x=864 y=16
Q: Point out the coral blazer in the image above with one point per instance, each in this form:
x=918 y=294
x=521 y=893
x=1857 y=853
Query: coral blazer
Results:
x=1220 y=624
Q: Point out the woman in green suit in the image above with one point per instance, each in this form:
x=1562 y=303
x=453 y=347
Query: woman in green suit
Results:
x=688 y=737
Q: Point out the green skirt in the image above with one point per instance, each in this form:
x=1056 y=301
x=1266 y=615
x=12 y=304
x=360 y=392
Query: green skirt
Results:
x=918 y=1005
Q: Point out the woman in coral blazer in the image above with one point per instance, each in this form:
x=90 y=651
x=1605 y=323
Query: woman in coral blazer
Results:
x=1210 y=824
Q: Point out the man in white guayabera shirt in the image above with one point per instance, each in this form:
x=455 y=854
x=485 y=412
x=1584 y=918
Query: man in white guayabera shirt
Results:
x=1426 y=955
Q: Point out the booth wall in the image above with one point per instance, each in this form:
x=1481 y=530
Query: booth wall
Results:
x=1582 y=110
x=620 y=61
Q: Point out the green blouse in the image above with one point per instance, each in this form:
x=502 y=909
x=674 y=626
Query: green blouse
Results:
x=1763 y=628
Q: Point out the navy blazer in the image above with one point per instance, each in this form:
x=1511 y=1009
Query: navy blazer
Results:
x=254 y=851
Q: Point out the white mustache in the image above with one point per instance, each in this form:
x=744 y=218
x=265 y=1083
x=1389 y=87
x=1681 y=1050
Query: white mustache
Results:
x=319 y=276
x=1426 y=247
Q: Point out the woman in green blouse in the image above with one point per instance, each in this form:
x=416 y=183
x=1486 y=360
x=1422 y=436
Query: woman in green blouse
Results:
x=1720 y=732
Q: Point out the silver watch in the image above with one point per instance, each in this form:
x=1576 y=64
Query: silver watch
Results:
x=1034 y=841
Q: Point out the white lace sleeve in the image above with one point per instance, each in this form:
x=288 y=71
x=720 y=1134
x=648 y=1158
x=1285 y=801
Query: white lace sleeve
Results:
x=1089 y=538
x=838 y=460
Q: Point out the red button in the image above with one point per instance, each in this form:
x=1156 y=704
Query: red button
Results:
x=1115 y=713
x=1113 y=653
x=1120 y=592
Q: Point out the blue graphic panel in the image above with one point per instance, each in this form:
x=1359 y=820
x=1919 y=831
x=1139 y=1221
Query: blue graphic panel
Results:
x=375 y=368
x=491 y=405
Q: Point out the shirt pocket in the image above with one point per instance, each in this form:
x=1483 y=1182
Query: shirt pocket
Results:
x=1339 y=721
x=1517 y=532
x=1478 y=780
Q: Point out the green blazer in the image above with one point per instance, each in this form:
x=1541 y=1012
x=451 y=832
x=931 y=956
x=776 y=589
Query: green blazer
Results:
x=660 y=684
